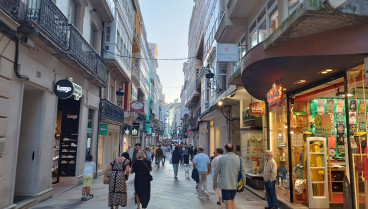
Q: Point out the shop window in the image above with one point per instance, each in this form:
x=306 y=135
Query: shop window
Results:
x=100 y=153
x=279 y=146
x=318 y=115
x=89 y=132
x=358 y=93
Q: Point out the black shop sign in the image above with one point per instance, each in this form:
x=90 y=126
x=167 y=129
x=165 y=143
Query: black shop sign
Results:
x=63 y=89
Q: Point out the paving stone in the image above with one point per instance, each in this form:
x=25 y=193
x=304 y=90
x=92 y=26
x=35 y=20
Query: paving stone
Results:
x=166 y=193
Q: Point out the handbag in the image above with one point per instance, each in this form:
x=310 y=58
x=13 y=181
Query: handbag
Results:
x=107 y=174
x=150 y=176
x=240 y=187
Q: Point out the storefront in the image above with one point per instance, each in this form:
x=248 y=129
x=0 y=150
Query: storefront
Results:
x=319 y=136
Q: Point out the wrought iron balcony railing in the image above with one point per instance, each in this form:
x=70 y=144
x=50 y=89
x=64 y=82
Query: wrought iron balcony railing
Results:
x=111 y=112
x=84 y=53
x=11 y=7
x=81 y=49
x=101 y=68
x=47 y=15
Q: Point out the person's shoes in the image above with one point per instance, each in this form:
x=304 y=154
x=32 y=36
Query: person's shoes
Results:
x=206 y=194
x=83 y=197
x=88 y=197
x=199 y=196
x=267 y=208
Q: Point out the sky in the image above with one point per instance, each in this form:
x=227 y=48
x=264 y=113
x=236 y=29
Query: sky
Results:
x=167 y=23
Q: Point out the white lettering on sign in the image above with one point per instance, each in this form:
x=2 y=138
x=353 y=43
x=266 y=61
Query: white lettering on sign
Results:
x=72 y=116
x=63 y=88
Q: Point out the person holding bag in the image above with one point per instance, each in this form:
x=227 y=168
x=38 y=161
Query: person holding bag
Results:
x=142 y=181
x=117 y=183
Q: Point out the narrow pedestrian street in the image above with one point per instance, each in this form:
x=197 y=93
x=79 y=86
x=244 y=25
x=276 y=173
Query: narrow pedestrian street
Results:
x=166 y=193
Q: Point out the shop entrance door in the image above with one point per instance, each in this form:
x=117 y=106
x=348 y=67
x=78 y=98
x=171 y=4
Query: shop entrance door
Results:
x=29 y=153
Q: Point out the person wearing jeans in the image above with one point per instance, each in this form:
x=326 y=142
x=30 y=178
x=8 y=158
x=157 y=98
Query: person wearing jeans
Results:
x=269 y=176
x=175 y=158
x=202 y=162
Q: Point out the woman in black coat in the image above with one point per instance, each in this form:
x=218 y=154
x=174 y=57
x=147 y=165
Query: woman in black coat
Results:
x=142 y=181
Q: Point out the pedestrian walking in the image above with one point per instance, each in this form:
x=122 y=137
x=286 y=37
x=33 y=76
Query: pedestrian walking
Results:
x=218 y=154
x=202 y=163
x=117 y=184
x=149 y=153
x=226 y=175
x=159 y=155
x=195 y=150
x=175 y=158
x=186 y=155
x=142 y=181
x=269 y=176
x=165 y=151
x=138 y=146
x=88 y=171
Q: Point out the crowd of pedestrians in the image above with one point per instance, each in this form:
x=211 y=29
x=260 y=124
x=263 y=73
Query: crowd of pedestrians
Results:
x=225 y=169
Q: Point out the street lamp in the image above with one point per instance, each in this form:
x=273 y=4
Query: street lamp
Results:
x=119 y=96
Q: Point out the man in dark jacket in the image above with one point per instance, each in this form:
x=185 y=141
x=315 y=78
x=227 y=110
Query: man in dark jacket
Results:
x=159 y=155
x=176 y=156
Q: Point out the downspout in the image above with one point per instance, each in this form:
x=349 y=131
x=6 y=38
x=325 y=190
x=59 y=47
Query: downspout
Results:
x=98 y=131
x=14 y=37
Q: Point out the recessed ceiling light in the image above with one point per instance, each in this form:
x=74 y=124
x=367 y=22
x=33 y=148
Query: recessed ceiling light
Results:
x=324 y=72
x=300 y=82
x=329 y=70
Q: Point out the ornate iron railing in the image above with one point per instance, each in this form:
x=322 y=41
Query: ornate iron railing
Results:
x=47 y=15
x=109 y=111
x=81 y=49
x=11 y=7
x=101 y=68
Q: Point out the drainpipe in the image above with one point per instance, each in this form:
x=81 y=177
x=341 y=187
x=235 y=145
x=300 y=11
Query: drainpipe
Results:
x=98 y=132
x=14 y=37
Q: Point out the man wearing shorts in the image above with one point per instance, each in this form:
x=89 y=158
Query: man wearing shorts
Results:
x=226 y=172
x=89 y=169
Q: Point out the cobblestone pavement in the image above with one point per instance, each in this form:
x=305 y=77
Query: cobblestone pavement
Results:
x=166 y=193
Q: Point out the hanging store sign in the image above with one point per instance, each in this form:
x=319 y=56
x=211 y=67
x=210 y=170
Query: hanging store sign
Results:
x=275 y=96
x=137 y=107
x=227 y=53
x=134 y=132
x=103 y=129
x=66 y=88
x=257 y=109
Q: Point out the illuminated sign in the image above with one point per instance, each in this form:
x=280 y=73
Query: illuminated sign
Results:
x=257 y=109
x=275 y=95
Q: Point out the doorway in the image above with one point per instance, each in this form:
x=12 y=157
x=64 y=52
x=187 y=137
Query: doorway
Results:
x=31 y=129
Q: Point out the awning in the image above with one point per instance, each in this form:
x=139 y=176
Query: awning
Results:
x=303 y=59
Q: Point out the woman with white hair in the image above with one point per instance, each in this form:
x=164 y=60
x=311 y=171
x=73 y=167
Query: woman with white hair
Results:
x=269 y=176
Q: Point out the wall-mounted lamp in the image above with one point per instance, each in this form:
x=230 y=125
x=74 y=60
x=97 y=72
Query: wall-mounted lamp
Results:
x=220 y=103
x=119 y=96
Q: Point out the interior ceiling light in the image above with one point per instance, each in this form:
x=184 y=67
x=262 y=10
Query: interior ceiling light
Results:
x=326 y=71
x=300 y=82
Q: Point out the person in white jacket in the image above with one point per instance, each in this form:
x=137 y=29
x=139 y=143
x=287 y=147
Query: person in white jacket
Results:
x=269 y=176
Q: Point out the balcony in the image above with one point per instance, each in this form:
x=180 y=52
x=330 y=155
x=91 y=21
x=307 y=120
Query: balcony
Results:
x=10 y=7
x=86 y=55
x=46 y=14
x=48 y=27
x=104 y=8
x=198 y=83
x=110 y=112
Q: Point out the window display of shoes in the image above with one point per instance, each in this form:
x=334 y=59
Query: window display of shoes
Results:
x=64 y=162
x=64 y=150
x=73 y=145
x=72 y=162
